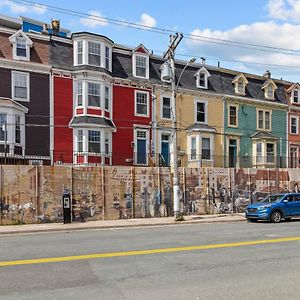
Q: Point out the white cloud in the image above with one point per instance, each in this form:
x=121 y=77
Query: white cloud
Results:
x=288 y=10
x=21 y=9
x=94 y=20
x=147 y=20
x=262 y=33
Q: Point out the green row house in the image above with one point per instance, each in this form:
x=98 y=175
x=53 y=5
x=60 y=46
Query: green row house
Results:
x=255 y=122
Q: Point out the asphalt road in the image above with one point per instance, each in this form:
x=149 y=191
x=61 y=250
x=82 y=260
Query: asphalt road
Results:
x=220 y=268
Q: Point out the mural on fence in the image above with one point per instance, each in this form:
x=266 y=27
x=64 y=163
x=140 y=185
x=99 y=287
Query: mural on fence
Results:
x=34 y=193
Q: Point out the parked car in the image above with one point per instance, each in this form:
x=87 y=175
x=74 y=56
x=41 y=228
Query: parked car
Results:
x=274 y=208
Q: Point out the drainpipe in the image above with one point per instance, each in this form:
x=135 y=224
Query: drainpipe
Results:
x=154 y=125
x=223 y=138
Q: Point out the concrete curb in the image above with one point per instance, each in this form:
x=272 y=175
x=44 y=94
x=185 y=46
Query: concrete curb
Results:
x=21 y=229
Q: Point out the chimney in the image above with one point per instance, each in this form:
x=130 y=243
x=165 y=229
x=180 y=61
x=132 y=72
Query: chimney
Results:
x=203 y=61
x=55 y=26
x=45 y=29
x=267 y=74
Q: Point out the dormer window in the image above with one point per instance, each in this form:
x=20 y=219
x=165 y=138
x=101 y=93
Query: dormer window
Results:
x=79 y=52
x=202 y=78
x=21 y=45
x=140 y=62
x=240 y=82
x=94 y=54
x=269 y=87
x=296 y=96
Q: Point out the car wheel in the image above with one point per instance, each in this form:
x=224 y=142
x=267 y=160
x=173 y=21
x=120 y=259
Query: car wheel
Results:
x=275 y=216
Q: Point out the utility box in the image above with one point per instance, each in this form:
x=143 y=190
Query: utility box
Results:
x=67 y=207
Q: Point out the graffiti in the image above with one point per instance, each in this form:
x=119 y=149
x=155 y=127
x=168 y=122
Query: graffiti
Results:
x=32 y=194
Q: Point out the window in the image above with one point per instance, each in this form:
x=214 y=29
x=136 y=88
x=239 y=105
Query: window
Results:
x=166 y=108
x=80 y=141
x=233 y=116
x=94 y=54
x=264 y=120
x=107 y=58
x=94 y=94
x=202 y=80
x=201 y=112
x=141 y=103
x=18 y=130
x=193 y=148
x=296 y=96
x=206 y=148
x=79 y=52
x=259 y=157
x=106 y=143
x=3 y=127
x=294 y=125
x=94 y=141
x=106 y=96
x=79 y=94
x=270 y=153
x=141 y=66
x=270 y=91
x=240 y=86
x=20 y=86
x=21 y=47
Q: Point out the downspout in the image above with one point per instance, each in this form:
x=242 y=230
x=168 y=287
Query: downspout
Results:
x=223 y=139
x=154 y=125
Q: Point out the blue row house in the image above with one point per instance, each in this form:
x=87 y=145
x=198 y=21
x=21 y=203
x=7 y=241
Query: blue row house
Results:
x=255 y=122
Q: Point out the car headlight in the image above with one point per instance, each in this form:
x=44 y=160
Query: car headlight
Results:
x=263 y=207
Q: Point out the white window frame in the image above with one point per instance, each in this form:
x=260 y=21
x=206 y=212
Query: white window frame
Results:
x=100 y=94
x=293 y=96
x=77 y=53
x=204 y=86
x=263 y=160
x=195 y=155
x=237 y=115
x=136 y=92
x=205 y=102
x=78 y=94
x=162 y=107
x=28 y=44
x=134 y=56
x=13 y=80
x=264 y=119
x=211 y=147
x=297 y=125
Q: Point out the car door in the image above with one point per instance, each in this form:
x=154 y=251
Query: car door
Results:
x=297 y=204
x=288 y=207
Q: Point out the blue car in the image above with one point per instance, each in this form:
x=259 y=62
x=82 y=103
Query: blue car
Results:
x=273 y=208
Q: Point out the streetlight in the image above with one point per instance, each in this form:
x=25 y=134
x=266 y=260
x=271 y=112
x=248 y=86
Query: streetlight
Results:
x=168 y=73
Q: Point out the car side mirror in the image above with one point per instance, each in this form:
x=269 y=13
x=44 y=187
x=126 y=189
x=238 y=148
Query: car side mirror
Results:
x=285 y=201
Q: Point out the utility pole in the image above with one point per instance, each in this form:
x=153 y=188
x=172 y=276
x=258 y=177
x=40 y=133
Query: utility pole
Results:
x=170 y=55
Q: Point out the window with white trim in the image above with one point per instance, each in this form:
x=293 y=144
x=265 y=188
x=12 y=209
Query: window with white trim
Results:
x=107 y=58
x=296 y=96
x=166 y=107
x=294 y=125
x=79 y=52
x=94 y=53
x=94 y=92
x=200 y=112
x=94 y=140
x=3 y=127
x=264 y=152
x=270 y=151
x=21 y=47
x=79 y=93
x=20 y=86
x=241 y=86
x=202 y=80
x=193 y=148
x=141 y=103
x=259 y=154
x=233 y=116
x=206 y=149
x=106 y=97
x=80 y=140
x=140 y=66
x=263 y=120
x=17 y=129
x=107 y=148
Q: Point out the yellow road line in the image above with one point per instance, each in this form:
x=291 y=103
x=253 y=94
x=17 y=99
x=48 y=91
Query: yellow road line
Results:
x=144 y=252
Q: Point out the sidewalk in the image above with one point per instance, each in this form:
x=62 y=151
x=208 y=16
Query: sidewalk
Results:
x=53 y=227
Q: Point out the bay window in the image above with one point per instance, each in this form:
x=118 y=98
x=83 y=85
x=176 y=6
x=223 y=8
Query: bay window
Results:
x=94 y=53
x=94 y=140
x=94 y=94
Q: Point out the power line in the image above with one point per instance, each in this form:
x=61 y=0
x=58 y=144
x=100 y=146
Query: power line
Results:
x=165 y=31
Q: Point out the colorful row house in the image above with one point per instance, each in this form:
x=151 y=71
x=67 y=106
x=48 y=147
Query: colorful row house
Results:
x=82 y=99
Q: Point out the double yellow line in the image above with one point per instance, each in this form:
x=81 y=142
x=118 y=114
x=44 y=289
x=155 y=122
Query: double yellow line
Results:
x=144 y=252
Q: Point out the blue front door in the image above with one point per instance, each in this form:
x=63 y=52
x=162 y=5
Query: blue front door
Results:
x=165 y=150
x=141 y=155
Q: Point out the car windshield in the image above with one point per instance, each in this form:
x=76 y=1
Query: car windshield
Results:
x=272 y=199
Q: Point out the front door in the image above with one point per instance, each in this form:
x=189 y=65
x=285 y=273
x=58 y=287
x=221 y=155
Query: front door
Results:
x=165 y=150
x=294 y=157
x=141 y=147
x=232 y=152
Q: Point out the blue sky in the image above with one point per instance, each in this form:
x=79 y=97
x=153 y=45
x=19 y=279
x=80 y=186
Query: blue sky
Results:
x=273 y=23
